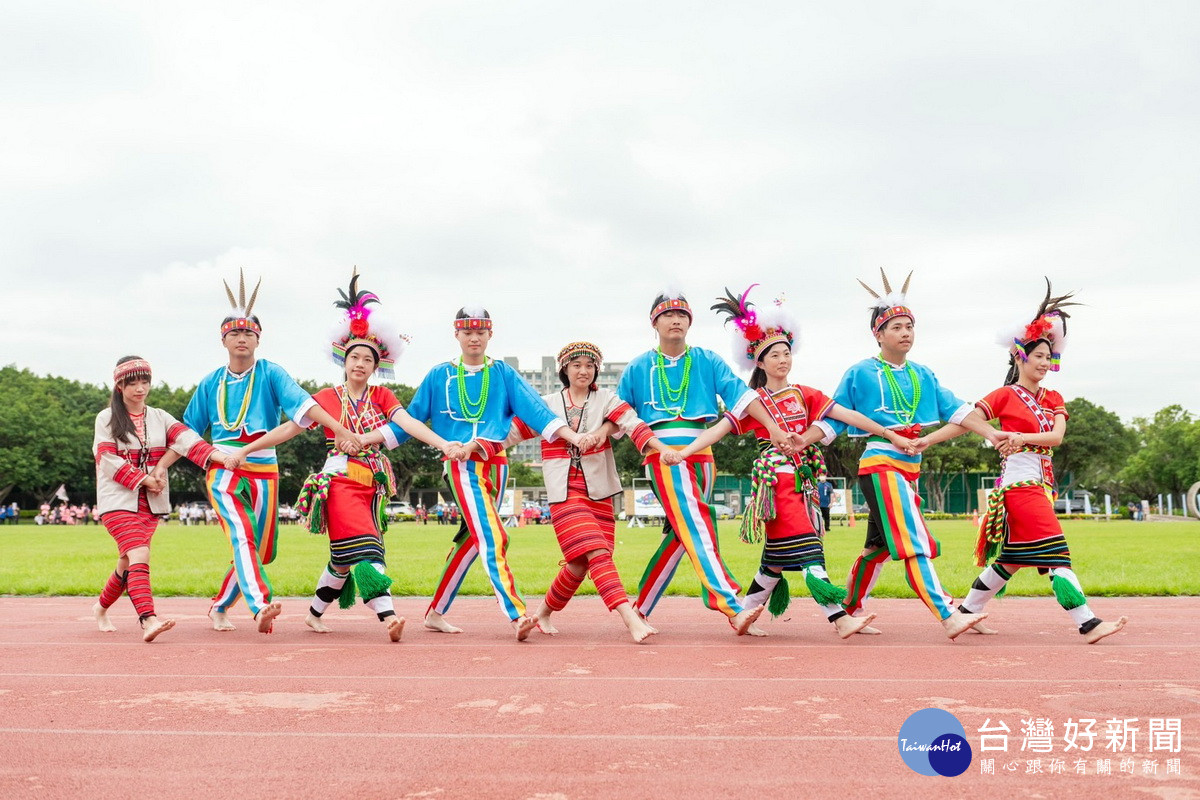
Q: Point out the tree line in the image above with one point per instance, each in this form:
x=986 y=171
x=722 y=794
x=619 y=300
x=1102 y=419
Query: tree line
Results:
x=46 y=426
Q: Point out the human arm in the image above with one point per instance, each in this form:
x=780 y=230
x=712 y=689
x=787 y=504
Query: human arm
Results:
x=279 y=435
x=861 y=421
x=708 y=438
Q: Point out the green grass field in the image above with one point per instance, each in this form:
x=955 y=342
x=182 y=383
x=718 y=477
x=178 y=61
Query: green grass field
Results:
x=1111 y=558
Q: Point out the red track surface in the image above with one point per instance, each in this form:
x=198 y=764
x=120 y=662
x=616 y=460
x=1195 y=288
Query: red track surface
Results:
x=696 y=712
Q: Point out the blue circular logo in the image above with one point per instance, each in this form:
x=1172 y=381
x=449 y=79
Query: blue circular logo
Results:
x=934 y=742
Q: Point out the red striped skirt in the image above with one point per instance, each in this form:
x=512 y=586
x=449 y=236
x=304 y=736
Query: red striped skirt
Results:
x=131 y=528
x=352 y=509
x=581 y=523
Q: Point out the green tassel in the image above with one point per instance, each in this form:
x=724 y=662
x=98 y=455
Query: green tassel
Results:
x=823 y=592
x=347 y=598
x=780 y=599
x=1065 y=592
x=371 y=582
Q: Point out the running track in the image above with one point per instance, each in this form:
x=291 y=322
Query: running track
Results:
x=695 y=713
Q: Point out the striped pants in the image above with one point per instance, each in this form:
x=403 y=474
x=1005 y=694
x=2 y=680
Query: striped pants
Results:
x=246 y=510
x=896 y=531
x=684 y=491
x=477 y=488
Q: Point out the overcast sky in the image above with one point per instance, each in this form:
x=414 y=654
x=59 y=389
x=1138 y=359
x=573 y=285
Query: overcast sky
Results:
x=560 y=162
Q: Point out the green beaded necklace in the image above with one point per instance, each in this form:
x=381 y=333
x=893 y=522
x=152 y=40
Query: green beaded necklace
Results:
x=676 y=397
x=222 y=415
x=473 y=409
x=906 y=409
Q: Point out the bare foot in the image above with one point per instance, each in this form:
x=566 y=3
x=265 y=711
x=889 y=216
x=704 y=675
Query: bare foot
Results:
x=986 y=630
x=742 y=622
x=152 y=627
x=436 y=622
x=523 y=625
x=754 y=630
x=542 y=619
x=102 y=620
x=1105 y=629
x=395 y=627
x=869 y=630
x=847 y=626
x=266 y=617
x=639 y=630
x=316 y=623
x=959 y=623
x=220 y=621
x=646 y=622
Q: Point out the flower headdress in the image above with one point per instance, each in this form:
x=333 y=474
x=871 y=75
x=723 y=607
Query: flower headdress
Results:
x=359 y=325
x=890 y=304
x=670 y=299
x=1049 y=324
x=755 y=330
x=242 y=317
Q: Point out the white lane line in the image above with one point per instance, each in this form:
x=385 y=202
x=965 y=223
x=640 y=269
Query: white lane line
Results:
x=584 y=737
x=939 y=679
x=577 y=646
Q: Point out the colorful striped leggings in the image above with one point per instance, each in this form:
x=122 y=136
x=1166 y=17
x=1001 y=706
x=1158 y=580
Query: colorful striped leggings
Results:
x=896 y=531
x=477 y=486
x=684 y=491
x=246 y=509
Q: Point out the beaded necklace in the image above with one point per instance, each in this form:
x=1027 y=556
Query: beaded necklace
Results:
x=677 y=397
x=905 y=409
x=222 y=417
x=473 y=410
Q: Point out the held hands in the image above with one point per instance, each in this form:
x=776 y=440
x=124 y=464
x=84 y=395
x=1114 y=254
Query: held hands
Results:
x=154 y=484
x=786 y=443
x=671 y=458
x=347 y=442
x=233 y=461
x=455 y=451
x=589 y=442
x=906 y=445
x=1007 y=442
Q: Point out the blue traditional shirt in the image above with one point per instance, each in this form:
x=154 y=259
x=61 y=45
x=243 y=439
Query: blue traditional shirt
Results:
x=709 y=378
x=864 y=388
x=437 y=402
x=273 y=391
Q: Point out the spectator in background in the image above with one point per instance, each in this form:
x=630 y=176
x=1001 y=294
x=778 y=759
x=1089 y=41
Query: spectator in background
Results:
x=825 y=498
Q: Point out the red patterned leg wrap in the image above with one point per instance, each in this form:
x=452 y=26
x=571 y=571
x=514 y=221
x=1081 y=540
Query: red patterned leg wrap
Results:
x=113 y=589
x=138 y=581
x=608 y=582
x=566 y=583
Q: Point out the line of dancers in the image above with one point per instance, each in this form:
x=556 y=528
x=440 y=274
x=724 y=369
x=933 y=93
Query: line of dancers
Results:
x=673 y=402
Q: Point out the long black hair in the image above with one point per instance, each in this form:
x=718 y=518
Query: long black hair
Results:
x=119 y=424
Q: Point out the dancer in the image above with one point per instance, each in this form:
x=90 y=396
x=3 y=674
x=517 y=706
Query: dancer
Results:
x=346 y=498
x=1020 y=528
x=783 y=500
x=239 y=403
x=581 y=483
x=905 y=397
x=674 y=389
x=475 y=398
x=130 y=443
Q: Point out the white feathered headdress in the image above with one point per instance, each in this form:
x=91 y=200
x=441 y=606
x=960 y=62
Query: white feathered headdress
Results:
x=1049 y=324
x=360 y=325
x=755 y=330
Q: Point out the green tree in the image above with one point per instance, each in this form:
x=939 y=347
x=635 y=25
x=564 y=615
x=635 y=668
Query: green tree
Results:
x=1168 y=456
x=1095 y=449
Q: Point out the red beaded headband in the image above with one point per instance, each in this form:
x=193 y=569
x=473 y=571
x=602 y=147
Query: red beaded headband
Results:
x=137 y=368
x=889 y=314
x=473 y=324
x=241 y=324
x=671 y=304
